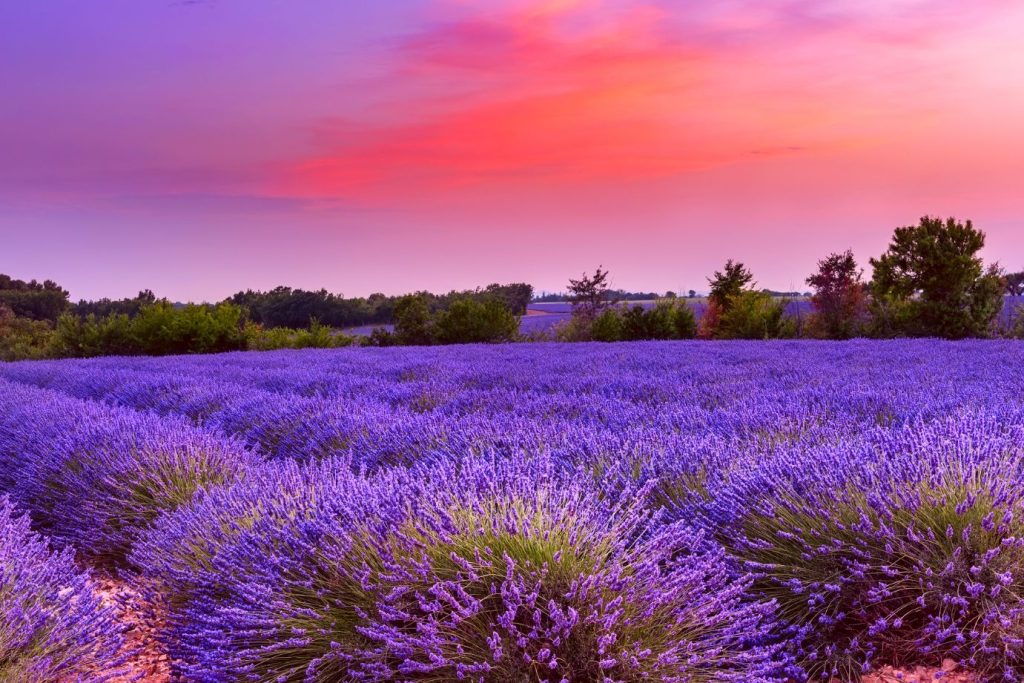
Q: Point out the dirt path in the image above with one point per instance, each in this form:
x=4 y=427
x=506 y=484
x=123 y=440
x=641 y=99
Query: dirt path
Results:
x=151 y=663
x=949 y=672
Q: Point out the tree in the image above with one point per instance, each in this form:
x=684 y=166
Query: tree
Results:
x=32 y=299
x=590 y=295
x=840 y=297
x=413 y=322
x=1015 y=284
x=728 y=283
x=932 y=276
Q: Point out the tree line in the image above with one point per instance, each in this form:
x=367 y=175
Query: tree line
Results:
x=929 y=282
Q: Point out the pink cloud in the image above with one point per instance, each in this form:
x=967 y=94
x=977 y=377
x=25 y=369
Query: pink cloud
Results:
x=570 y=92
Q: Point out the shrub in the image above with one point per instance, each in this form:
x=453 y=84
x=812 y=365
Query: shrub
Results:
x=654 y=323
x=316 y=336
x=607 y=327
x=23 y=338
x=753 y=315
x=684 y=321
x=910 y=553
x=95 y=476
x=53 y=626
x=468 y=321
x=414 y=324
x=157 y=329
x=483 y=570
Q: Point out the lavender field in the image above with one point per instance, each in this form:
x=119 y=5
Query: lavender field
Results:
x=660 y=511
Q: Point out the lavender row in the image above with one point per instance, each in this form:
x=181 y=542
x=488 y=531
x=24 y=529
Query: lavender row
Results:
x=94 y=476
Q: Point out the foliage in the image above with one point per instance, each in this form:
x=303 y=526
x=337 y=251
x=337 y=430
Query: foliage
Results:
x=157 y=330
x=608 y=326
x=684 y=320
x=1015 y=284
x=753 y=315
x=53 y=625
x=931 y=273
x=414 y=325
x=316 y=336
x=481 y=569
x=728 y=283
x=22 y=338
x=667 y=319
x=468 y=321
x=297 y=308
x=102 y=308
x=840 y=297
x=32 y=299
x=590 y=295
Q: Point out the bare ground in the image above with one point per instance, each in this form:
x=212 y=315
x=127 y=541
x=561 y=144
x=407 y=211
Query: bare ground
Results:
x=149 y=662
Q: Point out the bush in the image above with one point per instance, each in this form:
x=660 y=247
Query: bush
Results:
x=316 y=336
x=95 y=476
x=753 y=315
x=53 y=626
x=607 y=327
x=23 y=338
x=910 y=553
x=654 y=323
x=158 y=329
x=484 y=570
x=163 y=329
x=684 y=321
x=468 y=321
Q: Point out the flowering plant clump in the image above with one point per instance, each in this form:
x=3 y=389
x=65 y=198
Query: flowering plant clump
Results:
x=94 y=476
x=475 y=569
x=515 y=571
x=915 y=555
x=53 y=626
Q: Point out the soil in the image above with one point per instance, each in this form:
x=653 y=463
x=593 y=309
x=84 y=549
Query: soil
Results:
x=949 y=672
x=150 y=663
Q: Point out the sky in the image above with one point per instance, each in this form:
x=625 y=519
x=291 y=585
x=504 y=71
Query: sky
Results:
x=200 y=147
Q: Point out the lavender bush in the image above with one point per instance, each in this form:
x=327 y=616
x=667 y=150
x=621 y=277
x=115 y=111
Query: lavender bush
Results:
x=479 y=569
x=95 y=476
x=911 y=551
x=53 y=626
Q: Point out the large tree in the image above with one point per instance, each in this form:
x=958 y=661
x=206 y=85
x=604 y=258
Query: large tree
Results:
x=932 y=273
x=840 y=296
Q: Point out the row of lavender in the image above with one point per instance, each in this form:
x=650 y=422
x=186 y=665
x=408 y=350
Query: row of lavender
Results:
x=661 y=511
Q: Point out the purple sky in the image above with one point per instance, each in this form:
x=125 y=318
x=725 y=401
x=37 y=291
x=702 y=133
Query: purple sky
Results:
x=198 y=148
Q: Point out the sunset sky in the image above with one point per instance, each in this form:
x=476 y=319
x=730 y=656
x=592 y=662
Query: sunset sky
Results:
x=198 y=147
